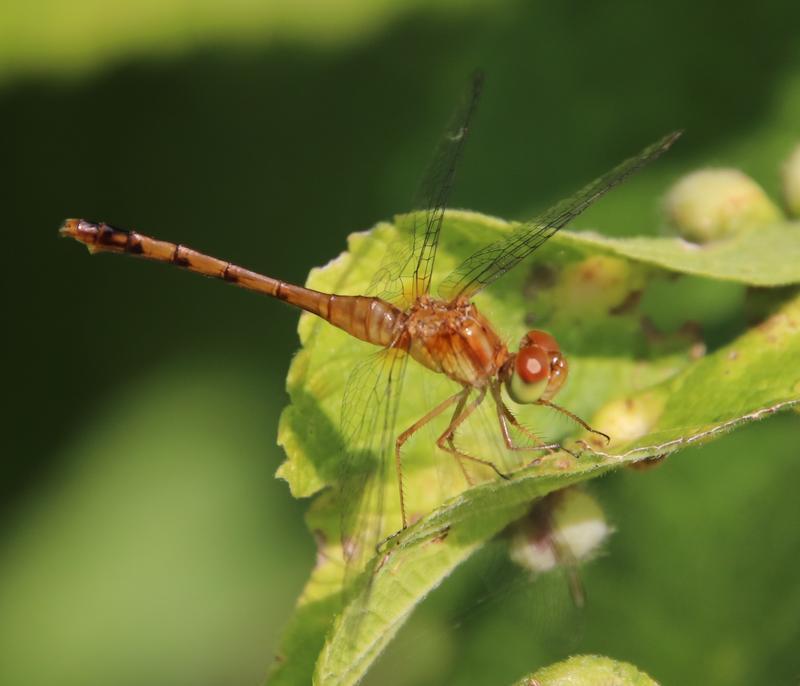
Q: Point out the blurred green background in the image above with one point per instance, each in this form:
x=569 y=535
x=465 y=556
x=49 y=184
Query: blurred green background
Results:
x=143 y=538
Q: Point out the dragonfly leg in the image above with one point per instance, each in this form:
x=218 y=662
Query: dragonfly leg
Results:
x=451 y=442
x=505 y=416
x=445 y=441
x=575 y=418
x=461 y=396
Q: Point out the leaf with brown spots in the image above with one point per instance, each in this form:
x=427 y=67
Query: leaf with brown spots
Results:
x=654 y=391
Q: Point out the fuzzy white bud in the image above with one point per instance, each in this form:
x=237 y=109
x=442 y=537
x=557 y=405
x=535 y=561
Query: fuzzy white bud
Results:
x=565 y=523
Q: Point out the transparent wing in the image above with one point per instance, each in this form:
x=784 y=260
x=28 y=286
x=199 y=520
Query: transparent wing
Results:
x=367 y=487
x=490 y=263
x=412 y=260
x=438 y=183
x=387 y=282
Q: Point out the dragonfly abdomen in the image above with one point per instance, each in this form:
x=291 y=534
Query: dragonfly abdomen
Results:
x=370 y=319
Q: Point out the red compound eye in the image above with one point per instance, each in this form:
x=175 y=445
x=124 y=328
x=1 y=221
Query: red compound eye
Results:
x=541 y=338
x=533 y=364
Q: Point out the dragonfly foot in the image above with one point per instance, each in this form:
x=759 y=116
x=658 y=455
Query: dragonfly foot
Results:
x=600 y=433
x=382 y=546
x=589 y=448
x=502 y=475
x=577 y=456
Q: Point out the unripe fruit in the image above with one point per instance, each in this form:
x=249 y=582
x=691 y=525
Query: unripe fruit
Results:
x=710 y=204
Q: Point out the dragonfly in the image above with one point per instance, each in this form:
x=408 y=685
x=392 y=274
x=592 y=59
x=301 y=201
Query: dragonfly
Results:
x=444 y=332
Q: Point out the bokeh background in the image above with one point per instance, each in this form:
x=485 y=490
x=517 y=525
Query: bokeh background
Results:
x=143 y=538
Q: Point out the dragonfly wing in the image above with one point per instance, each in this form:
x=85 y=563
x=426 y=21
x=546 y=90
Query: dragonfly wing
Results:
x=490 y=263
x=437 y=184
x=387 y=282
x=411 y=260
x=367 y=485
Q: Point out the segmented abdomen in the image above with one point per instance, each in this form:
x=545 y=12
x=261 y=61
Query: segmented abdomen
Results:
x=370 y=319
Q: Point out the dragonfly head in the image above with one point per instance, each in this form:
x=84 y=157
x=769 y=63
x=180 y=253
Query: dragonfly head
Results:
x=537 y=371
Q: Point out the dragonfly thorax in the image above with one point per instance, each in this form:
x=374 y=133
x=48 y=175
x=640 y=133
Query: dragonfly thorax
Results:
x=455 y=339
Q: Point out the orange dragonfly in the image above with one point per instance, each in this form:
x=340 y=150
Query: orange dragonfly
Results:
x=447 y=334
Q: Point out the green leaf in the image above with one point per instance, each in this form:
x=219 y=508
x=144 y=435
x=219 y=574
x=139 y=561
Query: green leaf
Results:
x=588 y=670
x=653 y=393
x=766 y=256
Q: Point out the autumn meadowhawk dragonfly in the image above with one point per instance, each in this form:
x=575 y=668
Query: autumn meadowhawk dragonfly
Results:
x=401 y=315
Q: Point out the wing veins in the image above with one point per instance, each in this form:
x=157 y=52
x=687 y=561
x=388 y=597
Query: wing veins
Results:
x=369 y=414
x=489 y=263
x=438 y=182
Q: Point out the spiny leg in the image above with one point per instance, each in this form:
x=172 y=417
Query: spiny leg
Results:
x=504 y=415
x=575 y=418
x=410 y=431
x=445 y=441
x=451 y=443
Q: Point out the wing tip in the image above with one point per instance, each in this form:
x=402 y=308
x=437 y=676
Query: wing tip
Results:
x=667 y=141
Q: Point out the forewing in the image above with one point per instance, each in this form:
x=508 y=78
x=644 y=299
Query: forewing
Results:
x=490 y=263
x=437 y=184
x=388 y=281
x=411 y=260
x=367 y=487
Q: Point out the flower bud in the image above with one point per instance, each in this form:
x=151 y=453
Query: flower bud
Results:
x=710 y=204
x=596 y=285
x=628 y=419
x=587 y=670
x=567 y=523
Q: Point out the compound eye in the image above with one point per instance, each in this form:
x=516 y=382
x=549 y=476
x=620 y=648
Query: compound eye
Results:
x=533 y=365
x=530 y=375
x=542 y=339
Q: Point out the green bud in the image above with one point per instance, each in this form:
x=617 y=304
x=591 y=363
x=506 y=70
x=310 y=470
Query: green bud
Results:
x=791 y=182
x=710 y=204
x=628 y=419
x=597 y=284
x=588 y=670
